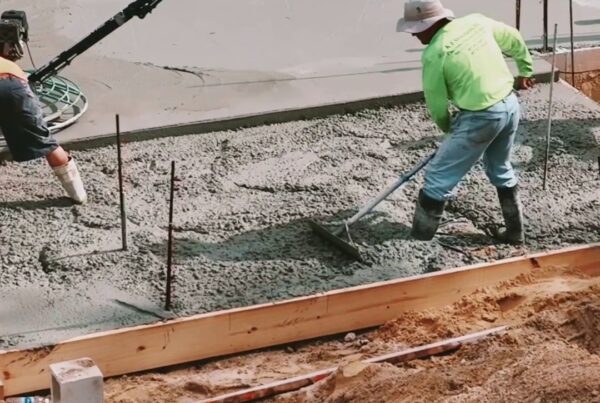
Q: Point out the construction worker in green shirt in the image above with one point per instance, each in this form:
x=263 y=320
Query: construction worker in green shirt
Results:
x=464 y=64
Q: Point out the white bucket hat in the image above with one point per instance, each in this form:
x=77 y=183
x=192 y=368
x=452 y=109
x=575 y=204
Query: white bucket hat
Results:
x=420 y=15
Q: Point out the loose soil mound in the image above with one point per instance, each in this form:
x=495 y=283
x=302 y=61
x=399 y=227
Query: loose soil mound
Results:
x=549 y=354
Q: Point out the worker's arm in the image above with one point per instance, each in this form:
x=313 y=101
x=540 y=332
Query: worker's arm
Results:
x=436 y=92
x=511 y=42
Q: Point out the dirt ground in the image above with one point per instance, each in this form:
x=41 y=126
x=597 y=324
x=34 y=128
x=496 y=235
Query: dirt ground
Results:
x=549 y=354
x=589 y=83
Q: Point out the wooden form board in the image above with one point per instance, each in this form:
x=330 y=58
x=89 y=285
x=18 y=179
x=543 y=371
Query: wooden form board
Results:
x=232 y=331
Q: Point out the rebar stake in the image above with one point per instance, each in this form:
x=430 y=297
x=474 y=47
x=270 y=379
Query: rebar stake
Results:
x=518 y=12
x=572 y=44
x=545 y=45
x=121 y=192
x=550 y=108
x=170 y=241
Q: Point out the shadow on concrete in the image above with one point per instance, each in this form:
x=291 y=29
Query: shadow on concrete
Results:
x=568 y=136
x=564 y=39
x=400 y=61
x=291 y=241
x=315 y=77
x=296 y=241
x=429 y=142
x=376 y=229
x=587 y=22
x=94 y=253
x=38 y=204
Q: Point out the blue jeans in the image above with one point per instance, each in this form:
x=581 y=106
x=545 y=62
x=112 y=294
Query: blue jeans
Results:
x=22 y=121
x=489 y=133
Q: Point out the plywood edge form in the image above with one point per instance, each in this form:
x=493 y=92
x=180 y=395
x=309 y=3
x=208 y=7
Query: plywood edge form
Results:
x=237 y=330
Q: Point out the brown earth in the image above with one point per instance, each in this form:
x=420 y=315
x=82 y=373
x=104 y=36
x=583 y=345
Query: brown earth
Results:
x=587 y=82
x=549 y=354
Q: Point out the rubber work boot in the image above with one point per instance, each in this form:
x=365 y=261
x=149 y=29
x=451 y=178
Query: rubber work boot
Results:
x=513 y=216
x=428 y=214
x=69 y=178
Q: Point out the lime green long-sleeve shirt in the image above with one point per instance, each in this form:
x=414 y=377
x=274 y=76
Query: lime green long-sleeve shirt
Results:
x=464 y=64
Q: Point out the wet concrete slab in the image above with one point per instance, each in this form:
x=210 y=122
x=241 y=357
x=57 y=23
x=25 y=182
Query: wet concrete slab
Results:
x=241 y=206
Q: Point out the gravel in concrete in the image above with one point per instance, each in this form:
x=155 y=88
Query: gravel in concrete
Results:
x=242 y=201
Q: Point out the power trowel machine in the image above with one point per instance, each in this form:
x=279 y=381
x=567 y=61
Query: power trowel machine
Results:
x=63 y=100
x=14 y=34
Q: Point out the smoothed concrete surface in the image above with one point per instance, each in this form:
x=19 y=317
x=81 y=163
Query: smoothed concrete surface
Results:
x=191 y=61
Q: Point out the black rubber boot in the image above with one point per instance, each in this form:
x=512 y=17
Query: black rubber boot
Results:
x=428 y=214
x=513 y=216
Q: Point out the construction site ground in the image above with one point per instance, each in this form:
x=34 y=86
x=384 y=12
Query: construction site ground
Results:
x=243 y=198
x=241 y=207
x=549 y=354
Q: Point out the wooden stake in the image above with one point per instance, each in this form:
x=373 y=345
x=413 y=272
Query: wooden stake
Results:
x=550 y=108
x=121 y=192
x=170 y=241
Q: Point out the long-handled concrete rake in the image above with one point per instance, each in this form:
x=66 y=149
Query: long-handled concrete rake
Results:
x=334 y=237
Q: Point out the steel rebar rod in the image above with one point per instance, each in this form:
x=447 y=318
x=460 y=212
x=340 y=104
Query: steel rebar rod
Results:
x=170 y=241
x=518 y=12
x=545 y=46
x=572 y=44
x=139 y=8
x=121 y=191
x=549 y=127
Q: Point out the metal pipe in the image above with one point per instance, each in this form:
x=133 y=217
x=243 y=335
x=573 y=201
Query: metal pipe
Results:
x=121 y=192
x=550 y=108
x=139 y=8
x=545 y=46
x=170 y=241
x=572 y=44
